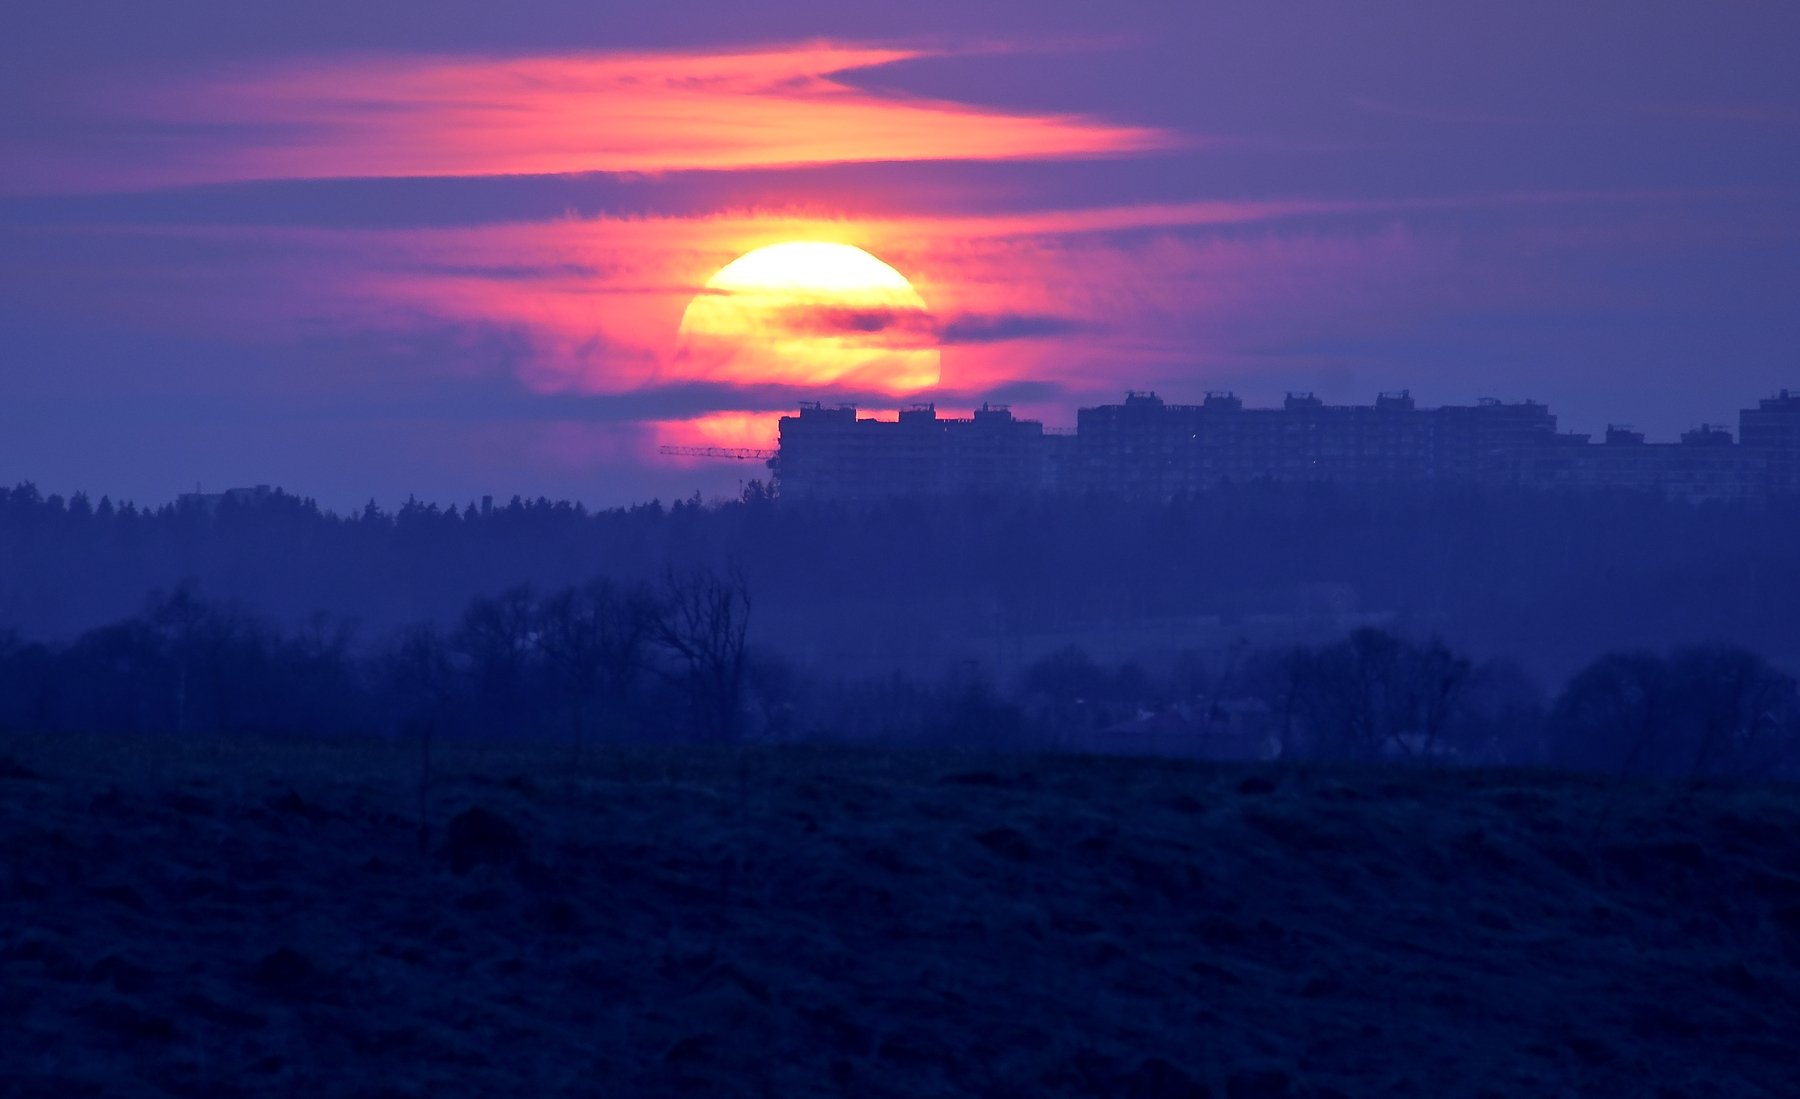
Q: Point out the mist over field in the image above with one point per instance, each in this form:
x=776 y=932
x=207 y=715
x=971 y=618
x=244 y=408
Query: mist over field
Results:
x=1133 y=550
x=1611 y=632
x=1547 y=579
x=1267 y=792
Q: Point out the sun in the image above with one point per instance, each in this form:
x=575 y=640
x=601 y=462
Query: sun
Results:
x=811 y=313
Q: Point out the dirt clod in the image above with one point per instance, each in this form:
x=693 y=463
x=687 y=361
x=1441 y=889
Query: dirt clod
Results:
x=285 y=970
x=1158 y=1078
x=1006 y=842
x=478 y=836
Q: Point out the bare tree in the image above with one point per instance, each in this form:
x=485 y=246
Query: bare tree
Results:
x=1739 y=714
x=1707 y=709
x=1615 y=715
x=595 y=640
x=704 y=621
x=418 y=667
x=215 y=651
x=495 y=637
x=1375 y=694
x=1431 y=681
x=180 y=619
x=1501 y=716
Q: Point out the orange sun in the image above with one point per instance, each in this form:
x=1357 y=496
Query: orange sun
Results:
x=810 y=313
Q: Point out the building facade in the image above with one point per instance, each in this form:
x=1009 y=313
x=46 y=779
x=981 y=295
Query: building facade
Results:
x=1771 y=431
x=830 y=453
x=1147 y=448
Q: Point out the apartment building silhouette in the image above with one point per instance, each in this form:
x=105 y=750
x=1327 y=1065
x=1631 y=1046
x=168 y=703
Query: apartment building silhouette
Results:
x=1147 y=448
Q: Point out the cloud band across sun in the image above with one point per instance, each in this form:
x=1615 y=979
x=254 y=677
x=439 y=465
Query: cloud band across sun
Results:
x=519 y=239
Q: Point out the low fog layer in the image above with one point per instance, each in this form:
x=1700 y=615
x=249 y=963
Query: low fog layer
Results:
x=1619 y=634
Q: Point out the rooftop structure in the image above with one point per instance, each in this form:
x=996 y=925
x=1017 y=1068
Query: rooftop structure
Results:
x=210 y=502
x=1771 y=431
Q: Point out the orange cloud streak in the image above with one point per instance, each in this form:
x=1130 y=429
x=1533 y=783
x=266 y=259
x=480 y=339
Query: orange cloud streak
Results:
x=596 y=304
x=647 y=112
x=729 y=430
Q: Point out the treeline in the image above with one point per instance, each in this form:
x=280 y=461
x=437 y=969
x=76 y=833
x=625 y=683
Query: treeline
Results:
x=1546 y=578
x=1372 y=696
x=1713 y=709
x=670 y=660
x=597 y=660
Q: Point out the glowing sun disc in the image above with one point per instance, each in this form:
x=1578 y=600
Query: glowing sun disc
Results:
x=811 y=313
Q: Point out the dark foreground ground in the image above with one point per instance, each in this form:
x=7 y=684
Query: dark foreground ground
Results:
x=231 y=919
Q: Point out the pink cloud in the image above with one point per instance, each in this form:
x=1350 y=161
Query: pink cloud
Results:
x=1084 y=302
x=461 y=116
x=1094 y=299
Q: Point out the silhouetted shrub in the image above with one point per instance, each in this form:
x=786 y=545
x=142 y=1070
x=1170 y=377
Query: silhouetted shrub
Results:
x=1714 y=709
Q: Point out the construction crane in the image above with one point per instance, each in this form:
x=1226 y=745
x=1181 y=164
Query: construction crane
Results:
x=737 y=453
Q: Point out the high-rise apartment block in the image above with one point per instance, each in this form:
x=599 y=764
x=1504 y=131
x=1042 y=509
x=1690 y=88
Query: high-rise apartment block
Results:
x=1147 y=448
x=1771 y=430
x=830 y=453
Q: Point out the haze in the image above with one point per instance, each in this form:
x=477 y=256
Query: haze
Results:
x=443 y=250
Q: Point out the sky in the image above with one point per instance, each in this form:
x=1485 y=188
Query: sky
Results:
x=444 y=250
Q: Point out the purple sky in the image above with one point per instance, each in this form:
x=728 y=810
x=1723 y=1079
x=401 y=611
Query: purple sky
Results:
x=441 y=249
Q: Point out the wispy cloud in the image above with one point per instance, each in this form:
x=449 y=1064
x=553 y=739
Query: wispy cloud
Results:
x=1113 y=295
x=366 y=117
x=898 y=327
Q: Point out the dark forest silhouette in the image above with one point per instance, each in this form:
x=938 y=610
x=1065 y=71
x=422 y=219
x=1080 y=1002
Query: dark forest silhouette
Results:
x=774 y=770
x=1546 y=579
x=607 y=662
x=954 y=622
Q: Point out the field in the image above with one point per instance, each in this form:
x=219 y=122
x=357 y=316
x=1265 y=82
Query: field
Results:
x=229 y=918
